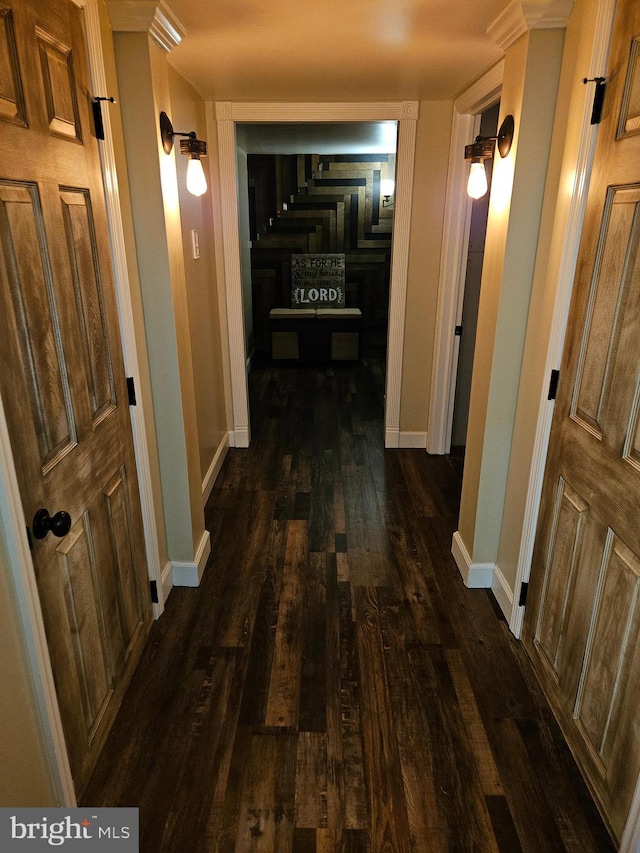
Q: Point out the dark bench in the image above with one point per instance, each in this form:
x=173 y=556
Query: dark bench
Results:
x=315 y=334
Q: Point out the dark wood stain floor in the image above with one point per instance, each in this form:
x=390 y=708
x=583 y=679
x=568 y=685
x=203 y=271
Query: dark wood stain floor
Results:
x=332 y=685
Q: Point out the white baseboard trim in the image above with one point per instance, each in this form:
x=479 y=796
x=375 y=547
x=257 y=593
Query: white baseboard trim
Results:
x=190 y=573
x=413 y=439
x=474 y=575
x=167 y=580
x=503 y=593
x=214 y=468
x=391 y=437
x=241 y=437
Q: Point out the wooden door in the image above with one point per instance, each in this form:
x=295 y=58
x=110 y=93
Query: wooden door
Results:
x=582 y=625
x=62 y=379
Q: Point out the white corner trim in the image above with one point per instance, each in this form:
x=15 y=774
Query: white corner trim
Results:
x=228 y=182
x=412 y=440
x=214 y=469
x=405 y=160
x=190 y=573
x=503 y=593
x=474 y=575
x=147 y=16
x=451 y=283
x=523 y=15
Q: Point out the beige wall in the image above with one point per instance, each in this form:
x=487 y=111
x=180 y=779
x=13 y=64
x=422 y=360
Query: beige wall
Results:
x=143 y=380
x=531 y=75
x=185 y=393
x=143 y=79
x=534 y=381
x=427 y=219
x=189 y=113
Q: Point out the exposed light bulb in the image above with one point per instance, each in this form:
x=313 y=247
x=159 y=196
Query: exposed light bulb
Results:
x=387 y=187
x=196 y=181
x=477 y=185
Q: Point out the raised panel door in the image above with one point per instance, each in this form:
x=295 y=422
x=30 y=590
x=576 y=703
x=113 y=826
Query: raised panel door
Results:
x=62 y=380
x=582 y=623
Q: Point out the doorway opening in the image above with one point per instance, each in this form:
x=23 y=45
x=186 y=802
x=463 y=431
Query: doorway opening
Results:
x=228 y=117
x=315 y=238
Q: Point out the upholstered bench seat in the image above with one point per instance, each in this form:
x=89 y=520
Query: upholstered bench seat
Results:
x=327 y=333
x=286 y=323
x=345 y=331
x=292 y=314
x=338 y=314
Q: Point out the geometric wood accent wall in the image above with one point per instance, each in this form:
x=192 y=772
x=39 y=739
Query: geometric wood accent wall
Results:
x=310 y=203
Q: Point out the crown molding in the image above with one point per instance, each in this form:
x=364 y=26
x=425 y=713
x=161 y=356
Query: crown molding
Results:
x=147 y=16
x=520 y=16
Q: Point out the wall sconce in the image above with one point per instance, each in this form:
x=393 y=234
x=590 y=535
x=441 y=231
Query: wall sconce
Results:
x=387 y=187
x=483 y=149
x=193 y=147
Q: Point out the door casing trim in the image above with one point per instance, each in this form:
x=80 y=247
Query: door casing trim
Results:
x=226 y=116
x=453 y=261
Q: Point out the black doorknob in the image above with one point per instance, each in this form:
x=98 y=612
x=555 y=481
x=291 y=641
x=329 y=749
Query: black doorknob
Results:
x=59 y=524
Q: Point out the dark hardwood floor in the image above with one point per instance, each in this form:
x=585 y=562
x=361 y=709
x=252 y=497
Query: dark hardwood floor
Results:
x=332 y=685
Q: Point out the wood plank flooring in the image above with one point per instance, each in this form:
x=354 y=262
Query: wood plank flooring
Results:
x=332 y=687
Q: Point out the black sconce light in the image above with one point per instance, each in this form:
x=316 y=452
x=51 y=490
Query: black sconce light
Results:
x=387 y=187
x=193 y=147
x=483 y=149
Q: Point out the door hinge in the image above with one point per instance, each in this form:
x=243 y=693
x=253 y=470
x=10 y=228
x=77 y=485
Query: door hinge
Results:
x=153 y=587
x=98 y=124
x=598 y=97
x=524 y=589
x=458 y=331
x=553 y=384
x=131 y=391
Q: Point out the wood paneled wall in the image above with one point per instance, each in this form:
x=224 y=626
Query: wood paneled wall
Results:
x=304 y=203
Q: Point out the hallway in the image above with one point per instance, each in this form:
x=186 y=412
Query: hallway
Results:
x=332 y=685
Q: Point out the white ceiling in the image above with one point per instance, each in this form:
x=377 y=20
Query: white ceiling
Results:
x=334 y=50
